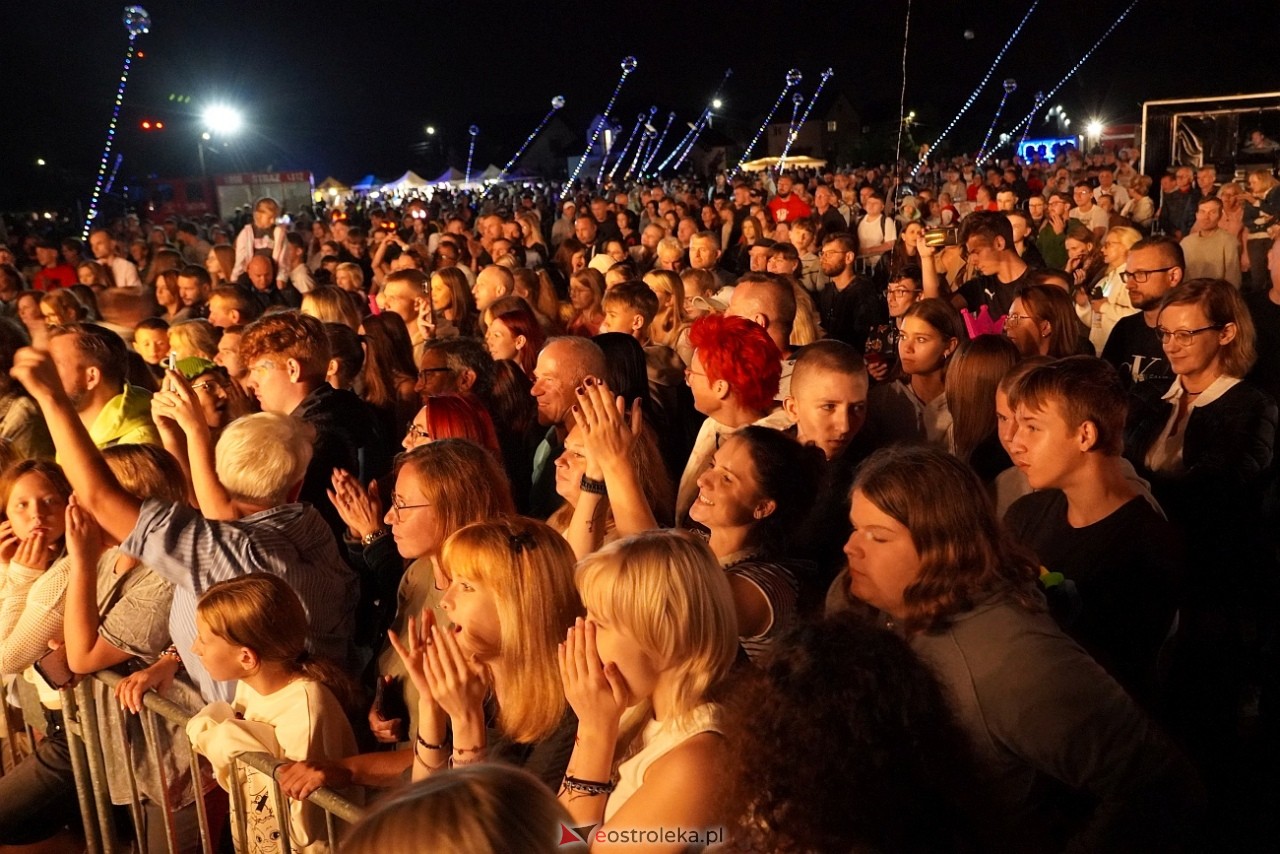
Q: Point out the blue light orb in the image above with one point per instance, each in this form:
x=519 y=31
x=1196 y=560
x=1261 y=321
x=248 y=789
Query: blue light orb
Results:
x=794 y=77
x=797 y=98
x=629 y=64
x=557 y=102
x=473 y=130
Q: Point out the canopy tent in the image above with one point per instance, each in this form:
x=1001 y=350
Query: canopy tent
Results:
x=408 y=181
x=490 y=173
x=332 y=190
x=450 y=176
x=763 y=163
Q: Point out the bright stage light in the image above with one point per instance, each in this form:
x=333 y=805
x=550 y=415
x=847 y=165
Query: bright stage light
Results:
x=223 y=120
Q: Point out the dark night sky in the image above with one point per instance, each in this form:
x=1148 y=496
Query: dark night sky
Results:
x=346 y=88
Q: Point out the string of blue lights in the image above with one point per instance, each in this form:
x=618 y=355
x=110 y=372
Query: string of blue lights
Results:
x=628 y=65
x=137 y=22
x=793 y=78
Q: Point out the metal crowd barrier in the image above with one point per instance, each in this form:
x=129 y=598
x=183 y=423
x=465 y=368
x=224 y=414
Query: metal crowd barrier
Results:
x=88 y=762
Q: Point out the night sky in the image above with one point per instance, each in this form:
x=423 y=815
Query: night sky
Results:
x=347 y=88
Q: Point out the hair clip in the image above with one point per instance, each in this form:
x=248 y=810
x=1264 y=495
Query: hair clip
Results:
x=520 y=542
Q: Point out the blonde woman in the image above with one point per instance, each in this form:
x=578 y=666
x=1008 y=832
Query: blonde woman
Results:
x=330 y=304
x=670 y=326
x=510 y=599
x=1109 y=298
x=196 y=338
x=659 y=637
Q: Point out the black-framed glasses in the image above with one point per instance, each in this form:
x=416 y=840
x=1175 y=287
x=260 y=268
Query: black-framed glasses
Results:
x=425 y=373
x=416 y=433
x=1141 y=276
x=1184 y=337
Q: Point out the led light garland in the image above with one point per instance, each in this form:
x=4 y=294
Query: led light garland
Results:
x=793 y=78
x=653 y=150
x=472 y=132
x=981 y=85
x=557 y=103
x=622 y=155
x=628 y=65
x=686 y=142
x=1010 y=86
x=137 y=22
x=1088 y=53
x=804 y=117
x=902 y=97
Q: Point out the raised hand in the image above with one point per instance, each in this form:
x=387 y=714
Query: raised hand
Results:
x=596 y=691
x=84 y=534
x=607 y=432
x=9 y=541
x=458 y=682
x=34 y=552
x=177 y=402
x=36 y=371
x=412 y=649
x=238 y=400
x=361 y=509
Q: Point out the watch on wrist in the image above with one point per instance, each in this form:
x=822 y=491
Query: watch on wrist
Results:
x=369 y=539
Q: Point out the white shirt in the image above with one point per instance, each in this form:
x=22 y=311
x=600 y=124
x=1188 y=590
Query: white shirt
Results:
x=1165 y=453
x=873 y=232
x=125 y=273
x=1118 y=194
x=1095 y=218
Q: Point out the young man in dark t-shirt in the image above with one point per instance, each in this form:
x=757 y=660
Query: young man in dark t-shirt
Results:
x=987 y=237
x=1154 y=267
x=1089 y=523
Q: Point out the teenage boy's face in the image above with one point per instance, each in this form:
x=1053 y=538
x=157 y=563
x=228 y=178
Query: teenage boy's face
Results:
x=1045 y=447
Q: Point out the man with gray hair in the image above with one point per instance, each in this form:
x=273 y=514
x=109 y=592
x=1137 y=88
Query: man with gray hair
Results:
x=249 y=518
x=562 y=366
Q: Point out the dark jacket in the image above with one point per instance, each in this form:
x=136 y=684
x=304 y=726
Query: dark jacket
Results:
x=1216 y=500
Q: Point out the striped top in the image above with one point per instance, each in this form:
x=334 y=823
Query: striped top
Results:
x=781 y=590
x=291 y=541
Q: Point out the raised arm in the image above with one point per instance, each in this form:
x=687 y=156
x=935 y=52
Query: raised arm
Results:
x=609 y=436
x=177 y=403
x=87 y=650
x=99 y=491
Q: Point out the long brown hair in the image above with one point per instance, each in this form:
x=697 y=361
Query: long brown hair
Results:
x=975 y=371
x=262 y=612
x=965 y=553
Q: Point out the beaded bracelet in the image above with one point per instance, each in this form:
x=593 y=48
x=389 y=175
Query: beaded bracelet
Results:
x=422 y=742
x=588 y=787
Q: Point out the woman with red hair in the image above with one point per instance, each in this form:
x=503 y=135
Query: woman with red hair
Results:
x=452 y=416
x=517 y=335
x=734 y=378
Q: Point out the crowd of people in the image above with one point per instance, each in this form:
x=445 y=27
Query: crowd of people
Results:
x=848 y=510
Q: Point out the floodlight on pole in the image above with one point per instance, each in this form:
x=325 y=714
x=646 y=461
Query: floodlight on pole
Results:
x=222 y=120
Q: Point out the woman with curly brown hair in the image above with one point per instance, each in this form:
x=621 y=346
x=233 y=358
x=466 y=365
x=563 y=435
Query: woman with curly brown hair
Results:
x=895 y=763
x=929 y=554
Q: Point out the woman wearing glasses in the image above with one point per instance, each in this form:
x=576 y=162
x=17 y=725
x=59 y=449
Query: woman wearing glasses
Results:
x=439 y=488
x=1042 y=322
x=1205 y=447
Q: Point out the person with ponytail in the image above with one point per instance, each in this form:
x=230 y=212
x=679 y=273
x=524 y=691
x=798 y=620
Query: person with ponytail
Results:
x=288 y=702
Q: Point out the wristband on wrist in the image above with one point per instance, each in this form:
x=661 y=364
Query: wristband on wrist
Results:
x=593 y=486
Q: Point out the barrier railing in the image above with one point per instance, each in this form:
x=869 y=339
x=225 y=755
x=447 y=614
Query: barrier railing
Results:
x=89 y=764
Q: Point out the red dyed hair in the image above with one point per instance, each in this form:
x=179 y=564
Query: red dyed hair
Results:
x=742 y=354
x=520 y=321
x=461 y=416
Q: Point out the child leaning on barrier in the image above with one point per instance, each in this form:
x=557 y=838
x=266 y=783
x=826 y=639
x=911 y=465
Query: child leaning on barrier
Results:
x=253 y=629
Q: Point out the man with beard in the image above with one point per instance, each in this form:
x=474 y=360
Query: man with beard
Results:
x=848 y=304
x=91 y=360
x=1155 y=266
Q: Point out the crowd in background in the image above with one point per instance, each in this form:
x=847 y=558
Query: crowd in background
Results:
x=826 y=510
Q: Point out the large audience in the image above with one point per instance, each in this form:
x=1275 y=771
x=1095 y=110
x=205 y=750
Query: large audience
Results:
x=864 y=509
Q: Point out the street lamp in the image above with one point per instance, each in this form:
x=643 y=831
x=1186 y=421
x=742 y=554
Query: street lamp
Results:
x=717 y=104
x=218 y=120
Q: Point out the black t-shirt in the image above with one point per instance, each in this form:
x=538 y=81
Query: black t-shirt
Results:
x=1128 y=570
x=993 y=293
x=1266 y=322
x=849 y=314
x=1133 y=348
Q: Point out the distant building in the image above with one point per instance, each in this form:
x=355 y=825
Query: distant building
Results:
x=833 y=132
